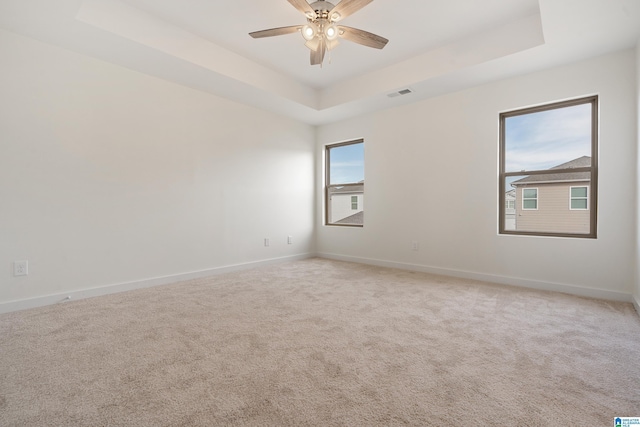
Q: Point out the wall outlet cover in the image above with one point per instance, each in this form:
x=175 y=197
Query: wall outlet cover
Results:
x=20 y=268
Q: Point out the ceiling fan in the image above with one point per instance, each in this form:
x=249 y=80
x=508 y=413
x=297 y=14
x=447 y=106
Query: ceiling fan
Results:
x=321 y=31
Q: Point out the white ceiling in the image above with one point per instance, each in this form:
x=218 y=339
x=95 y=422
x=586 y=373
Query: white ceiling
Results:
x=435 y=46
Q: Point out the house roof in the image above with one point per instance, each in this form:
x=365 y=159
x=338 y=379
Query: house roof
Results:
x=356 y=218
x=580 y=162
x=347 y=189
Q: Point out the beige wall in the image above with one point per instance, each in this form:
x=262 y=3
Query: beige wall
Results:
x=553 y=214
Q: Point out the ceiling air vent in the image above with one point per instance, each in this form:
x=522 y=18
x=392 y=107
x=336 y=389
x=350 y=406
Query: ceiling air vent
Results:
x=400 y=93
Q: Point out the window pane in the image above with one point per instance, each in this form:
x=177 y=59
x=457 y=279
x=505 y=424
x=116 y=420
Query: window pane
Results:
x=513 y=200
x=346 y=164
x=579 y=204
x=345 y=184
x=547 y=139
x=552 y=148
x=341 y=205
x=553 y=210
x=579 y=192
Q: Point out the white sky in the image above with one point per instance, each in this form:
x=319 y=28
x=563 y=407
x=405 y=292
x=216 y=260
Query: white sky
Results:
x=347 y=164
x=548 y=138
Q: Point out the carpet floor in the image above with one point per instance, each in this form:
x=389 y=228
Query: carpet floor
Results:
x=322 y=343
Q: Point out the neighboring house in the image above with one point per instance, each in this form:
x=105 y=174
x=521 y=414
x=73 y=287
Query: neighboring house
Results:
x=345 y=202
x=357 y=218
x=510 y=210
x=554 y=202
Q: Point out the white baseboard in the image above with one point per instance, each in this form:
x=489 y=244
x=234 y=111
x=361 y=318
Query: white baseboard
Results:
x=504 y=280
x=636 y=303
x=10 y=306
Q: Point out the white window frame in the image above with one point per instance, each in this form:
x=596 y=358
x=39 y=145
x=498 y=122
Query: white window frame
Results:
x=537 y=199
x=571 y=198
x=354 y=202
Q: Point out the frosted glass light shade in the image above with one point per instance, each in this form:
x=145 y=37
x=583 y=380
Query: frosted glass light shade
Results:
x=331 y=32
x=309 y=31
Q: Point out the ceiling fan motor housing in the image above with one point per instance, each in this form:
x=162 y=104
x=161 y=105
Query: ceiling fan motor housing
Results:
x=322 y=9
x=322 y=24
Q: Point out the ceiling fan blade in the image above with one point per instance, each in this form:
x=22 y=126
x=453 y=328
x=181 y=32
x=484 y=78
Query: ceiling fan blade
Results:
x=303 y=7
x=347 y=7
x=362 y=37
x=313 y=44
x=275 y=31
x=318 y=55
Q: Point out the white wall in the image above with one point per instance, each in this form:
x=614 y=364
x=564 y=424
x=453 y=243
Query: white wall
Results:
x=442 y=153
x=110 y=176
x=637 y=187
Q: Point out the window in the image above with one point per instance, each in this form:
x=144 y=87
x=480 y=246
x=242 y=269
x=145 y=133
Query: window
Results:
x=344 y=187
x=579 y=198
x=529 y=198
x=510 y=204
x=547 y=153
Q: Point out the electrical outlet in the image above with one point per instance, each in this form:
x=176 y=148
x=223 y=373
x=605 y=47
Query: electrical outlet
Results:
x=20 y=268
x=415 y=246
x=266 y=241
x=289 y=240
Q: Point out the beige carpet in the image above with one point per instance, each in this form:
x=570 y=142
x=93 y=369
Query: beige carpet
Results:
x=322 y=343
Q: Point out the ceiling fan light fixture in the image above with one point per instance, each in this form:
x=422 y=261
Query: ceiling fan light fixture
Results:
x=309 y=31
x=331 y=32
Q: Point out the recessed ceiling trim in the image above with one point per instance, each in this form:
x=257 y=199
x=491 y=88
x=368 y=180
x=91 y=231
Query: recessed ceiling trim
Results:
x=574 y=29
x=475 y=49
x=138 y=26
